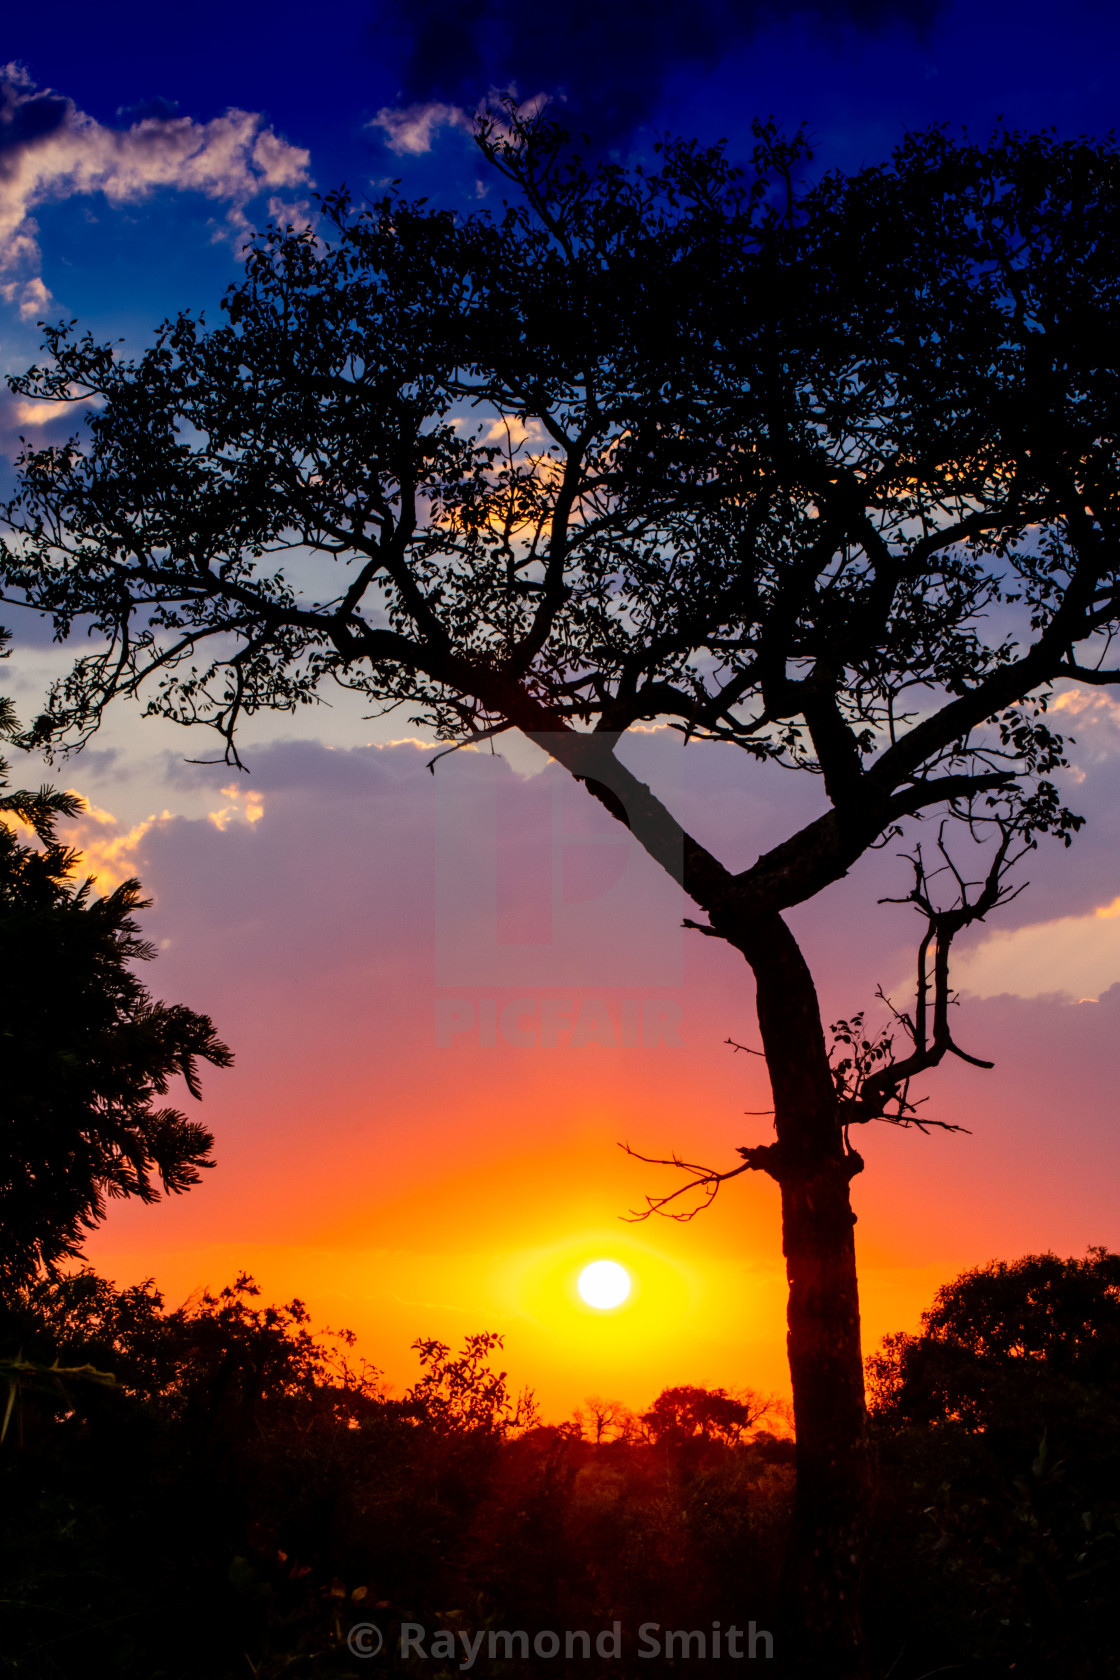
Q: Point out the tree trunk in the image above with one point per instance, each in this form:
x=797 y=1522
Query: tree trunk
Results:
x=813 y=1164
x=824 y=1561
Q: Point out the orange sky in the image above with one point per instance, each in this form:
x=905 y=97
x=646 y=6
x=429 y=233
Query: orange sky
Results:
x=414 y=1159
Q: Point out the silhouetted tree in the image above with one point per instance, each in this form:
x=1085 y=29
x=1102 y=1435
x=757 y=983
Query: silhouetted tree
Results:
x=463 y=1394
x=1005 y=1344
x=84 y=1051
x=999 y=1516
x=826 y=475
x=606 y=1415
x=707 y=1414
x=38 y=811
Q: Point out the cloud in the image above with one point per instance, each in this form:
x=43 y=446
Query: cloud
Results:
x=513 y=432
x=110 y=851
x=32 y=412
x=610 y=64
x=248 y=810
x=1077 y=955
x=50 y=150
x=409 y=131
x=1091 y=719
x=107 y=850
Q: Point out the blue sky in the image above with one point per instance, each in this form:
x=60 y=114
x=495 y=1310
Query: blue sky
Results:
x=857 y=75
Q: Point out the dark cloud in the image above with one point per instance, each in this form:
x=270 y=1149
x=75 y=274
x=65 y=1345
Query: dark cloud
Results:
x=609 y=63
x=25 y=117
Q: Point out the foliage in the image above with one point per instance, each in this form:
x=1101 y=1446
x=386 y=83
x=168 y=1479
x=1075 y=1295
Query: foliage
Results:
x=85 y=1051
x=267 y=1529
x=998 y=1429
x=603 y=1419
x=876 y=498
x=17 y=1373
x=1007 y=1342
x=464 y=1394
x=687 y=1413
x=40 y=810
x=218 y=1363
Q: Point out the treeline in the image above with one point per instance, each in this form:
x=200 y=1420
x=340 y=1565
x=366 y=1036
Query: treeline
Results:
x=254 y=1488
x=218 y=1491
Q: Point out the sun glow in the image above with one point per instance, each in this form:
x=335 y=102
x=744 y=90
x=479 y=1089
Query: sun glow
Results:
x=604 y=1284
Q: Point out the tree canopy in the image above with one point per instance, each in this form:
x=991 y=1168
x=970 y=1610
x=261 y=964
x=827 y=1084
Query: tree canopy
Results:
x=828 y=474
x=687 y=1413
x=85 y=1051
x=1008 y=1345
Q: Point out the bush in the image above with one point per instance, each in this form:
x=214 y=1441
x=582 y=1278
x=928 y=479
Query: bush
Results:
x=998 y=1540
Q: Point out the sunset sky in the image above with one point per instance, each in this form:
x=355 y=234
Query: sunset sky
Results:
x=452 y=996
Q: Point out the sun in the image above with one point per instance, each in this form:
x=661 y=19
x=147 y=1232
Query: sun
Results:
x=604 y=1284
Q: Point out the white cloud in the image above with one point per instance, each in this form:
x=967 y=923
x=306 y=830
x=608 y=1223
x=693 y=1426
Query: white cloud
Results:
x=1090 y=704
x=1078 y=955
x=250 y=811
x=512 y=430
x=107 y=850
x=31 y=295
x=409 y=128
x=1091 y=719
x=230 y=159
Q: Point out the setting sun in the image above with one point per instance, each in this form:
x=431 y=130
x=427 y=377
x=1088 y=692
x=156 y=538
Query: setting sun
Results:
x=604 y=1284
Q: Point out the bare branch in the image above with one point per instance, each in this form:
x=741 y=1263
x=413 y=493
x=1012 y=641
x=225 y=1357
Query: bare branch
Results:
x=470 y=740
x=706 y=1180
x=745 y=1048
x=871 y=1082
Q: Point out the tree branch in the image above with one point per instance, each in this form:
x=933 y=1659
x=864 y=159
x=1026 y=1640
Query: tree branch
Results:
x=871 y=1083
x=707 y=1180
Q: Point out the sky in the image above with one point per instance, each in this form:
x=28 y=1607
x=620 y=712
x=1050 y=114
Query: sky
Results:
x=452 y=997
